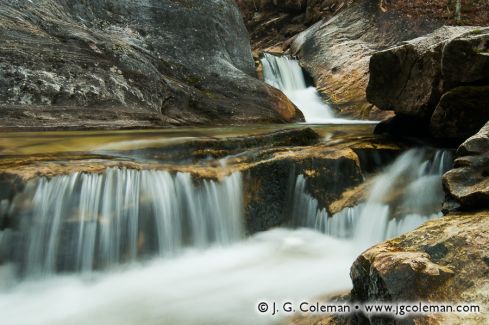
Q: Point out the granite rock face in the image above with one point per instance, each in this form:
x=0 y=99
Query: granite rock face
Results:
x=440 y=79
x=135 y=62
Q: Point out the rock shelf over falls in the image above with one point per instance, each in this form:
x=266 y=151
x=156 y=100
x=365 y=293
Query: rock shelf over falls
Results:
x=147 y=208
x=268 y=163
x=79 y=217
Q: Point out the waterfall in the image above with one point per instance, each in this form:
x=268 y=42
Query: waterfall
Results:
x=82 y=222
x=286 y=74
x=217 y=286
x=404 y=196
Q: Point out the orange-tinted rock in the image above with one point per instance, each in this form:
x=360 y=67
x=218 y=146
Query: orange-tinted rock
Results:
x=444 y=260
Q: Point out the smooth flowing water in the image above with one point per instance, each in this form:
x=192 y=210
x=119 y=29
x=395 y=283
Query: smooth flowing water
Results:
x=404 y=196
x=154 y=247
x=285 y=73
x=80 y=222
x=215 y=286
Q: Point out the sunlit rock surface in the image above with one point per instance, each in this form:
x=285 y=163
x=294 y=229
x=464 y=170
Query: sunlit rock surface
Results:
x=443 y=261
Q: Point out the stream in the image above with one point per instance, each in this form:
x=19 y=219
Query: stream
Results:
x=133 y=227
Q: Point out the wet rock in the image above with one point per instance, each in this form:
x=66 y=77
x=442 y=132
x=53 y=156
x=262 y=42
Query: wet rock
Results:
x=441 y=261
x=337 y=52
x=351 y=197
x=113 y=64
x=9 y=185
x=270 y=184
x=468 y=182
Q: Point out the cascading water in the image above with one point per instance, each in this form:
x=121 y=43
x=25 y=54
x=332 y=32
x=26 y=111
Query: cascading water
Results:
x=82 y=222
x=286 y=74
x=217 y=286
x=93 y=216
x=407 y=194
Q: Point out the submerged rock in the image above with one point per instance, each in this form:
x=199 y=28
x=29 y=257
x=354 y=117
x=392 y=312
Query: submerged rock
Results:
x=111 y=64
x=443 y=261
x=468 y=182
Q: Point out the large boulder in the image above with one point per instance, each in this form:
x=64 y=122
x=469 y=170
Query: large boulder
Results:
x=337 y=52
x=445 y=260
x=468 y=182
x=407 y=78
x=439 y=80
x=135 y=63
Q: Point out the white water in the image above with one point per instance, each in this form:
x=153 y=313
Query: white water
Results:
x=285 y=74
x=219 y=284
x=80 y=222
x=408 y=193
